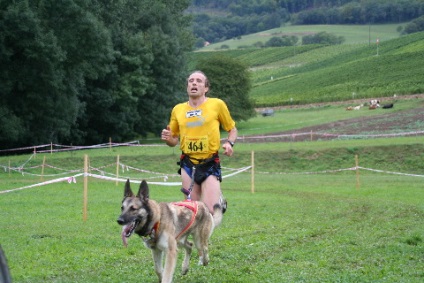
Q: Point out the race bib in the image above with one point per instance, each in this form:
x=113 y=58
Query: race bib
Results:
x=196 y=145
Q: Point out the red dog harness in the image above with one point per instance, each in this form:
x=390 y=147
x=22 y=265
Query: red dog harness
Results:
x=192 y=205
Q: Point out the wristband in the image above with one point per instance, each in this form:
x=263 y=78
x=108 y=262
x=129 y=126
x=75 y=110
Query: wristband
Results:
x=231 y=143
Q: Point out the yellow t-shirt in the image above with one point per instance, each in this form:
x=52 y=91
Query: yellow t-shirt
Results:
x=199 y=128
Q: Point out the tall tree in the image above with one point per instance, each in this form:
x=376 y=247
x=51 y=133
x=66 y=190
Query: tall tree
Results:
x=230 y=81
x=34 y=105
x=81 y=71
x=149 y=38
x=48 y=51
x=89 y=55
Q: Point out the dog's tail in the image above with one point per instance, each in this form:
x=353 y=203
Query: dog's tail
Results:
x=218 y=211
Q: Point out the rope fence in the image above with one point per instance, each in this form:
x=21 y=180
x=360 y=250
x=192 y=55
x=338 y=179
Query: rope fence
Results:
x=312 y=136
x=315 y=136
x=102 y=174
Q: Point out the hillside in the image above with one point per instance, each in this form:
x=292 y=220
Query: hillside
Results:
x=353 y=34
x=216 y=21
x=311 y=74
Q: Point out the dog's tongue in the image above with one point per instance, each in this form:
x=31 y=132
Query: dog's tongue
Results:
x=124 y=235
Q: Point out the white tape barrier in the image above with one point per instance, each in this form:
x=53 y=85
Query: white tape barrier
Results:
x=308 y=173
x=389 y=172
x=340 y=170
x=72 y=179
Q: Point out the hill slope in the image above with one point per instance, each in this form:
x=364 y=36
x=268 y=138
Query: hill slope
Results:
x=308 y=74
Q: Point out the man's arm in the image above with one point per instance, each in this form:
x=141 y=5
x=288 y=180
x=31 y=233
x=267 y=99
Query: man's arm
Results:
x=228 y=145
x=232 y=135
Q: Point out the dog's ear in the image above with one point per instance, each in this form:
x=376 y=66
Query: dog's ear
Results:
x=143 y=192
x=127 y=191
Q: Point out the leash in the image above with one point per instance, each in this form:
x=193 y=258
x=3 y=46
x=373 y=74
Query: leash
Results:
x=190 y=189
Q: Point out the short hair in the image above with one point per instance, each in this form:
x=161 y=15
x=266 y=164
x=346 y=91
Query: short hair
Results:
x=207 y=84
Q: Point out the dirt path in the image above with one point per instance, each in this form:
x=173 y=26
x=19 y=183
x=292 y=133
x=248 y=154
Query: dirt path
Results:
x=387 y=123
x=352 y=102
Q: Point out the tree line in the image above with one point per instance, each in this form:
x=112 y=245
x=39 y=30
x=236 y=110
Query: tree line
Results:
x=220 y=20
x=362 y=12
x=81 y=72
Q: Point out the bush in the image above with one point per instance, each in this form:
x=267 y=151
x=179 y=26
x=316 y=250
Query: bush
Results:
x=323 y=38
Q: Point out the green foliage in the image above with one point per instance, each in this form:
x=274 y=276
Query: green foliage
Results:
x=38 y=97
x=235 y=18
x=230 y=81
x=285 y=40
x=416 y=25
x=223 y=20
x=359 y=12
x=323 y=38
x=83 y=72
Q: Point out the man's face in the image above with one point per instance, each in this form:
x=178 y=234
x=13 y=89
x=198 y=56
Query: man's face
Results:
x=196 y=85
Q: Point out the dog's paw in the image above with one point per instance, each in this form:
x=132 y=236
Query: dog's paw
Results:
x=203 y=261
x=184 y=271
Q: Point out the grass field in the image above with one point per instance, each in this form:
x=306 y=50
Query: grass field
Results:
x=306 y=221
x=353 y=34
x=292 y=229
x=318 y=73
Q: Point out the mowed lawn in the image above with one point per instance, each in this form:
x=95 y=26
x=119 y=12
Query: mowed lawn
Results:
x=304 y=218
x=286 y=228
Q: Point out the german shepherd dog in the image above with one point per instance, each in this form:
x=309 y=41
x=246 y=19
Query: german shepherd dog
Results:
x=166 y=226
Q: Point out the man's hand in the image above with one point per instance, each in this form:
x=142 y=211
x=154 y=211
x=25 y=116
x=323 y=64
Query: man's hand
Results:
x=228 y=149
x=166 y=136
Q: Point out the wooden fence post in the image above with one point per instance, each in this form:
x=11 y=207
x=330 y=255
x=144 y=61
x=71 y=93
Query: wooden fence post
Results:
x=253 y=173
x=85 y=193
x=358 y=184
x=42 y=168
x=117 y=169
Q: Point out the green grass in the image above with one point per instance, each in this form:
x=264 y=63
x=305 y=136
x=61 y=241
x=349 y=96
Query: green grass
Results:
x=293 y=228
x=301 y=224
x=353 y=34
x=311 y=228
x=348 y=71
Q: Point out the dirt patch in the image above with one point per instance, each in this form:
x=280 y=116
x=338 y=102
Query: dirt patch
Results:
x=386 y=124
x=352 y=102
